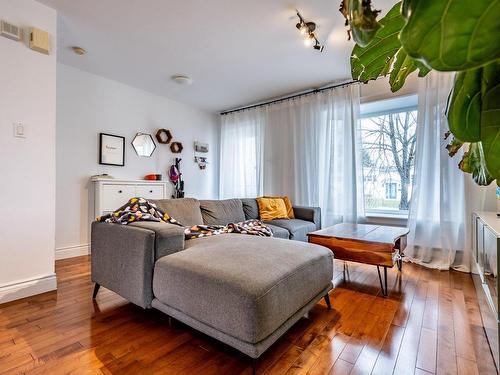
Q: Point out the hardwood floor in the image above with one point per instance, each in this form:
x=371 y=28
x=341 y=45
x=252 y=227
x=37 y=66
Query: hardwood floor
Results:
x=429 y=324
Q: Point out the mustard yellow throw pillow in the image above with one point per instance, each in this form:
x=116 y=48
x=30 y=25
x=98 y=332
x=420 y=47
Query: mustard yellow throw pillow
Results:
x=272 y=208
x=288 y=204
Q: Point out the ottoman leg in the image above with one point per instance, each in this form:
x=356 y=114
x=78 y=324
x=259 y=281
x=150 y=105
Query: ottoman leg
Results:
x=327 y=300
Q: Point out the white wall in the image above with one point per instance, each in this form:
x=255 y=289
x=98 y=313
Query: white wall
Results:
x=27 y=166
x=89 y=104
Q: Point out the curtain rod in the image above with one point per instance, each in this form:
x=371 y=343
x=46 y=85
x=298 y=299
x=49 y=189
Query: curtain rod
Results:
x=314 y=91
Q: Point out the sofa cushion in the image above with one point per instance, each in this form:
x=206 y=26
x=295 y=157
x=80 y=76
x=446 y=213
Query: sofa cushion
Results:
x=279 y=232
x=251 y=208
x=298 y=228
x=185 y=210
x=244 y=286
x=221 y=212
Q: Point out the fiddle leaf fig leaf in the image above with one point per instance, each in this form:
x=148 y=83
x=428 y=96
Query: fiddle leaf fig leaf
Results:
x=363 y=21
x=452 y=35
x=375 y=59
x=423 y=70
x=453 y=147
x=490 y=117
x=403 y=65
x=473 y=162
x=464 y=111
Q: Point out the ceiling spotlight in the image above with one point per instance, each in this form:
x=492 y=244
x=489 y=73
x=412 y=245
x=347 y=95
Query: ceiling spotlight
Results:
x=78 y=50
x=182 y=79
x=309 y=41
x=307 y=28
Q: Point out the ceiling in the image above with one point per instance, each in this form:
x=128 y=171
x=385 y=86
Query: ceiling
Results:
x=237 y=52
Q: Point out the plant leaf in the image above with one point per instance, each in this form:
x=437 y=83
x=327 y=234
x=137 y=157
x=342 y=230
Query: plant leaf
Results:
x=376 y=58
x=452 y=35
x=453 y=147
x=363 y=21
x=474 y=162
x=490 y=117
x=403 y=65
x=423 y=70
x=464 y=112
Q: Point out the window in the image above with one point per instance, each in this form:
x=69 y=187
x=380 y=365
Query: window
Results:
x=388 y=154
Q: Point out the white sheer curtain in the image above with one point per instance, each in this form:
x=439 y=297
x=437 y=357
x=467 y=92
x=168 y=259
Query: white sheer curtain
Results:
x=307 y=148
x=311 y=153
x=443 y=196
x=241 y=154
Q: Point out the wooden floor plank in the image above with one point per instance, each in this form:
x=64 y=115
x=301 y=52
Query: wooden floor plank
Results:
x=430 y=323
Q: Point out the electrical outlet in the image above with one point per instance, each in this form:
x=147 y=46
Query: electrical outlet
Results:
x=19 y=130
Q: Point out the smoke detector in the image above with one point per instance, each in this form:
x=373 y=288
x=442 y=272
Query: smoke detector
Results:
x=182 y=79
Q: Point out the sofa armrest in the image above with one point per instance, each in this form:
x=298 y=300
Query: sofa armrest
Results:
x=312 y=214
x=123 y=256
x=122 y=260
x=169 y=238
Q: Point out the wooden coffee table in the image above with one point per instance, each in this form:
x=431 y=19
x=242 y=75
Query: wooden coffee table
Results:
x=379 y=245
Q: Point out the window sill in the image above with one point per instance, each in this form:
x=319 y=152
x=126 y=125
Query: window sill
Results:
x=383 y=218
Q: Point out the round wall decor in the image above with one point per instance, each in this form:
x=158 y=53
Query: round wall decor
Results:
x=176 y=147
x=163 y=136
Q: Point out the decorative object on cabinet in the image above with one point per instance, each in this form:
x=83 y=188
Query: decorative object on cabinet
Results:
x=111 y=194
x=175 y=177
x=144 y=145
x=153 y=177
x=103 y=176
x=164 y=136
x=176 y=147
x=111 y=149
x=486 y=245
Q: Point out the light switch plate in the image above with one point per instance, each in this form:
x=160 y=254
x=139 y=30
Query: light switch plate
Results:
x=19 y=130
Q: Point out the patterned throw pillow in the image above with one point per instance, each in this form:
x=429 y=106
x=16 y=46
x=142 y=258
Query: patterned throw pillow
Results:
x=272 y=208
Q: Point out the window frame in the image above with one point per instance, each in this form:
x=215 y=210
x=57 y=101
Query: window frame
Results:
x=375 y=214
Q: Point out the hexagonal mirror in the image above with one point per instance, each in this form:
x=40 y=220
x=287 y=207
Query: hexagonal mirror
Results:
x=144 y=144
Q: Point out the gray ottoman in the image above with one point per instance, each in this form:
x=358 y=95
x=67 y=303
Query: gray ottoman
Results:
x=245 y=291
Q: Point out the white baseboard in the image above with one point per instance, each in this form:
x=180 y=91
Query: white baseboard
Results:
x=72 y=251
x=27 y=288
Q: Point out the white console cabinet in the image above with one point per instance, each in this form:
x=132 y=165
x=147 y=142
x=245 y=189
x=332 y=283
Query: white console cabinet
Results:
x=110 y=194
x=486 y=244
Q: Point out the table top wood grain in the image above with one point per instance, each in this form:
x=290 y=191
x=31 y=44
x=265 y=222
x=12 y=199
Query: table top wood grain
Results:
x=363 y=233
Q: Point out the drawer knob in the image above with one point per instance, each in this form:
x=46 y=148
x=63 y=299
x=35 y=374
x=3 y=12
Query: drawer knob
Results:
x=120 y=191
x=151 y=191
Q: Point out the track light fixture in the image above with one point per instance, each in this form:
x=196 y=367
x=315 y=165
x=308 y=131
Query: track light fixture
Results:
x=307 y=29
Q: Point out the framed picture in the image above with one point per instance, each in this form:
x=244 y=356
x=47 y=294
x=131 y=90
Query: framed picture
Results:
x=111 y=149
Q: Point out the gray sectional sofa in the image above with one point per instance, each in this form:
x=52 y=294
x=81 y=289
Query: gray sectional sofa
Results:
x=243 y=290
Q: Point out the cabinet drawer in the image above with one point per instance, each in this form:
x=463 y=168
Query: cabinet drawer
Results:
x=150 y=192
x=115 y=196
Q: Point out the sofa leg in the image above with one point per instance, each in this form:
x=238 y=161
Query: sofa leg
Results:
x=96 y=290
x=327 y=300
x=254 y=366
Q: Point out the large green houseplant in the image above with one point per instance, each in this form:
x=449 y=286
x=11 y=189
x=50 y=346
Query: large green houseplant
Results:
x=445 y=35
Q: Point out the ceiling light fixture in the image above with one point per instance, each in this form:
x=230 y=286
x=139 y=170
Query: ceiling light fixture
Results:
x=307 y=29
x=182 y=79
